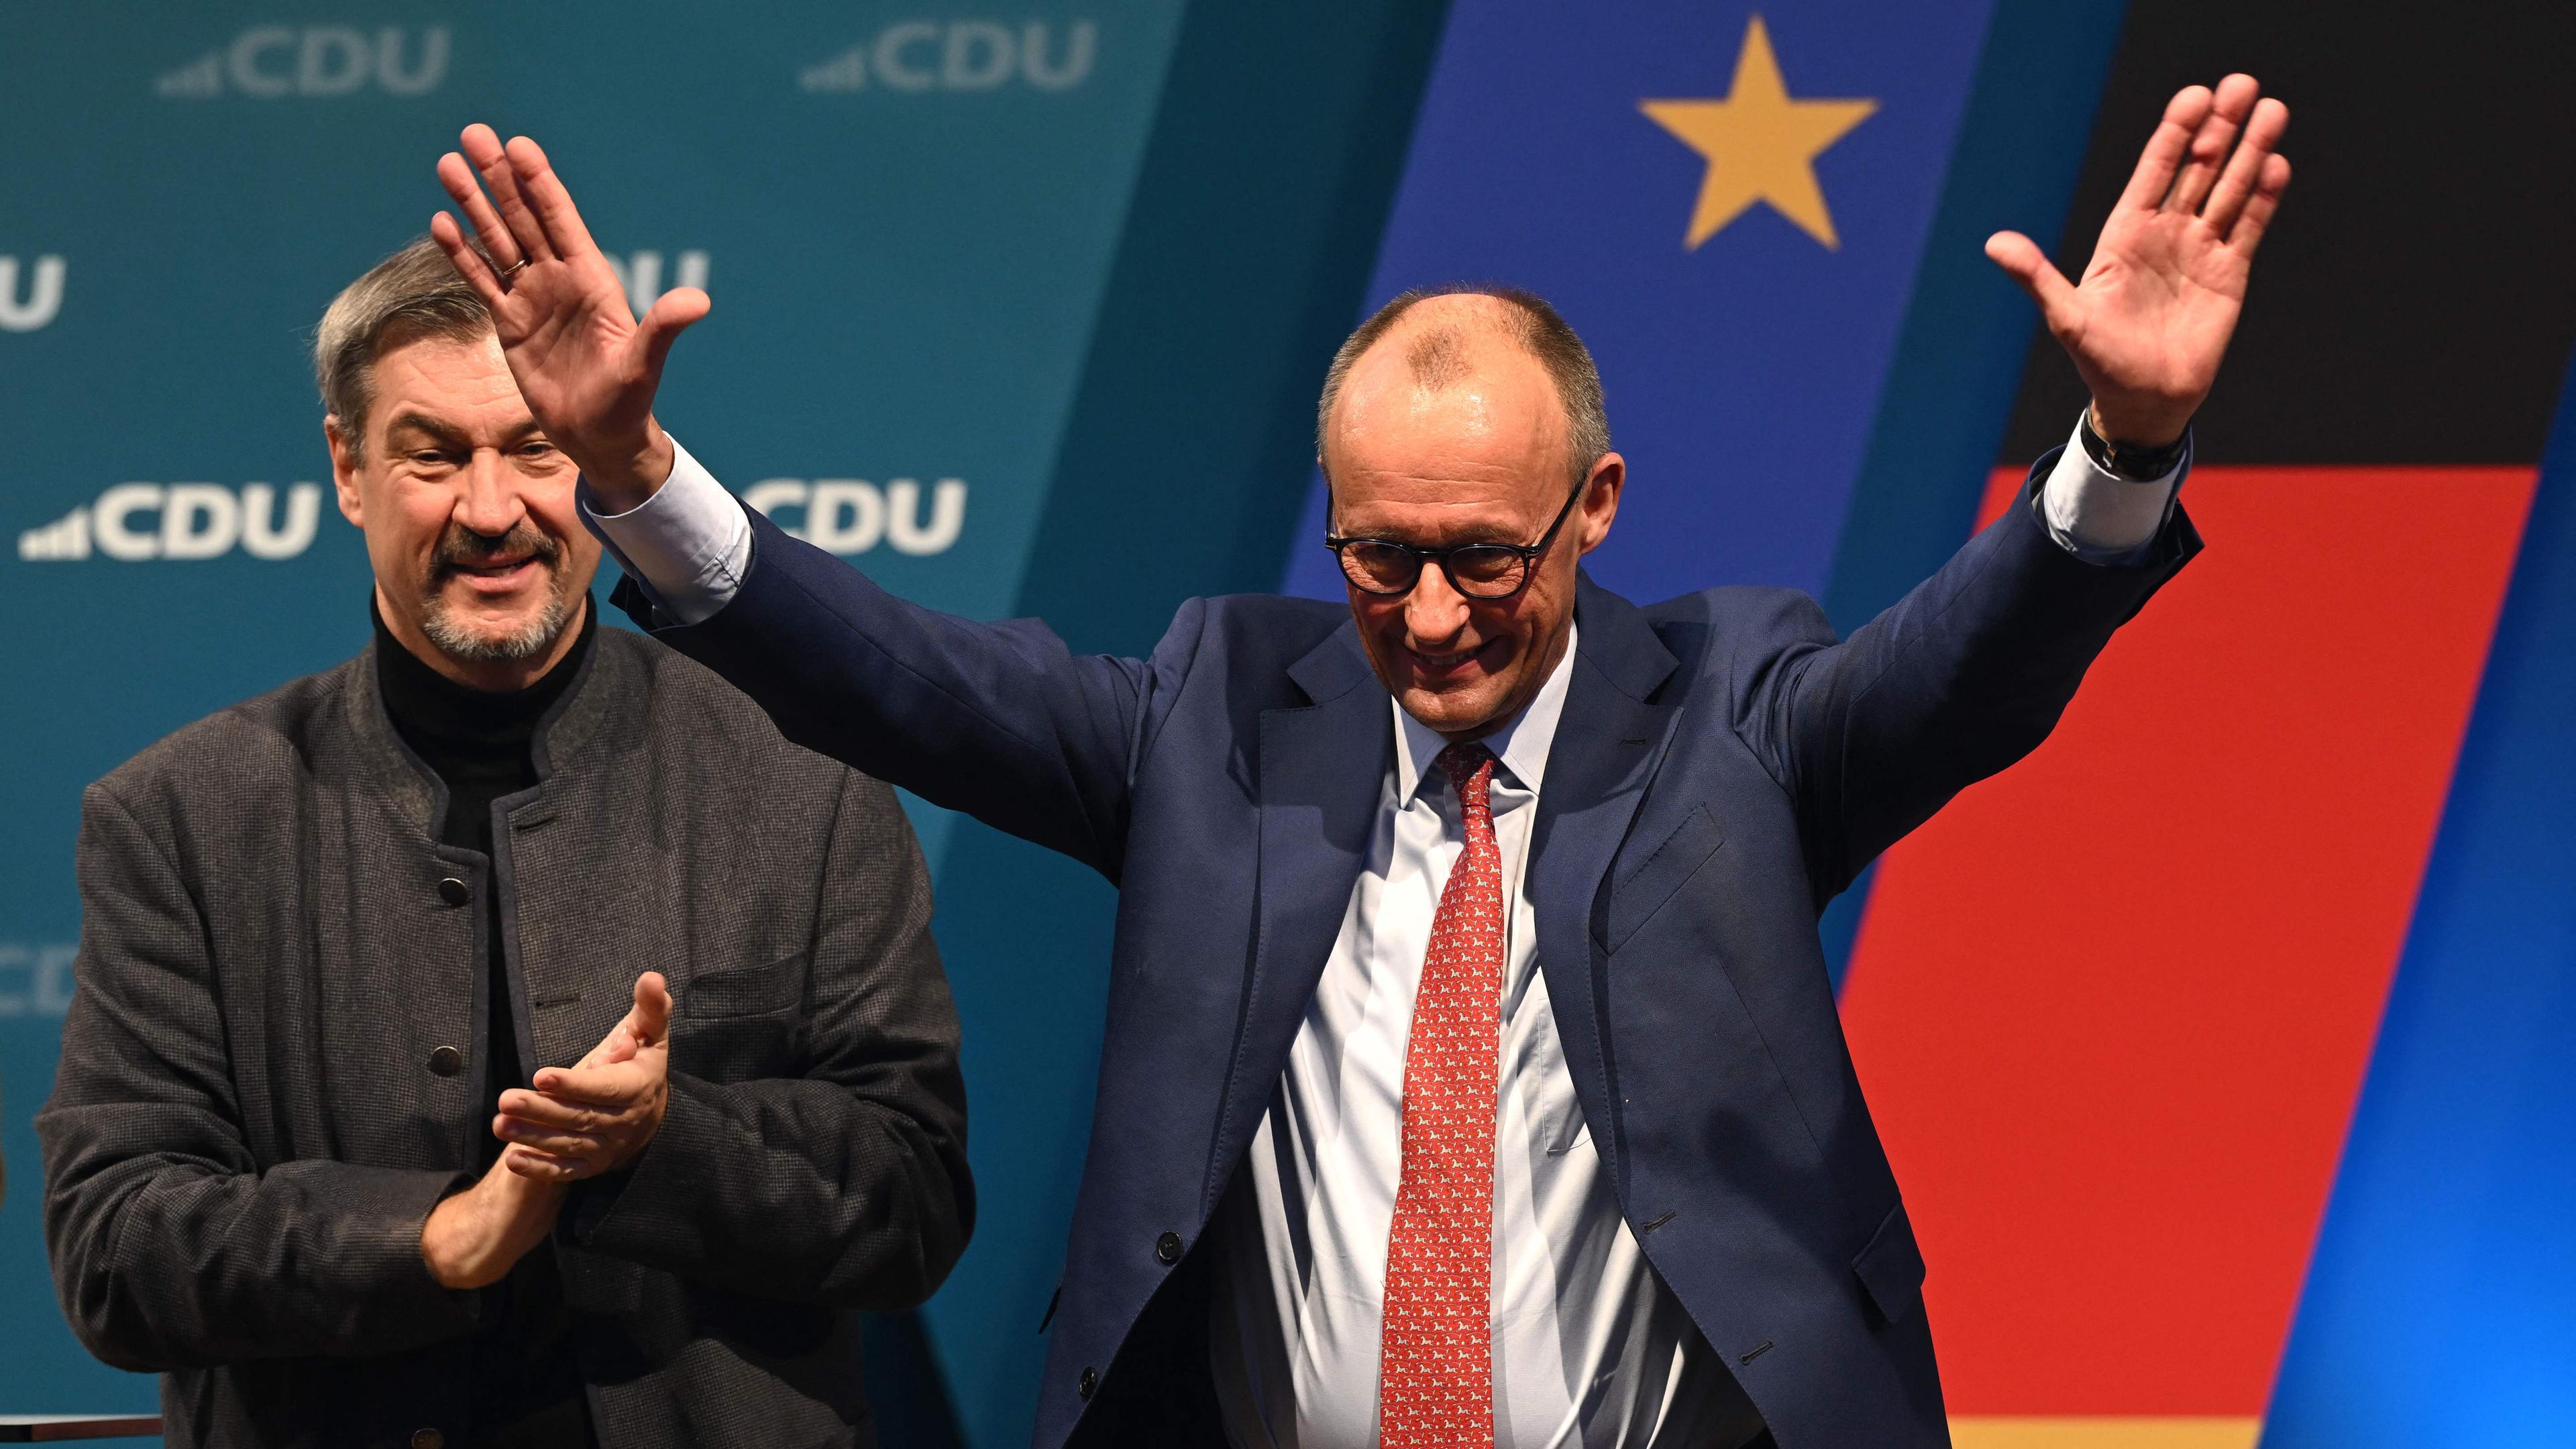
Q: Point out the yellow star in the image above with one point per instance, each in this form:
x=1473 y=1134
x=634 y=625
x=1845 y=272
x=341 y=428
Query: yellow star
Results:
x=1760 y=144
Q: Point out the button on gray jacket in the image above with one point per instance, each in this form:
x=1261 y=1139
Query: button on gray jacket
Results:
x=247 y=1131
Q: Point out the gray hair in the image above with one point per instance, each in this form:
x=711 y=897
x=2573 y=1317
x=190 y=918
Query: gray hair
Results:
x=1438 y=361
x=412 y=294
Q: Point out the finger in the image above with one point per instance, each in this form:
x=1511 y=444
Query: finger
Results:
x=672 y=313
x=540 y=1167
x=2262 y=140
x=553 y=1141
x=2164 y=150
x=492 y=163
x=555 y=1112
x=468 y=262
x=2259 y=207
x=548 y=199
x=2227 y=112
x=612 y=1088
x=650 y=1021
x=457 y=175
x=2024 y=262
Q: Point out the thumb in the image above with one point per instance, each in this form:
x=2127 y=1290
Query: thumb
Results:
x=2025 y=263
x=650 y=1022
x=670 y=315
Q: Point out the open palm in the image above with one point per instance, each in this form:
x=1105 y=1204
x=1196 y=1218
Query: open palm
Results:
x=586 y=367
x=2151 y=318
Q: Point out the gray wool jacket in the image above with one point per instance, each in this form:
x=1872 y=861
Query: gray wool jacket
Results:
x=260 y=1098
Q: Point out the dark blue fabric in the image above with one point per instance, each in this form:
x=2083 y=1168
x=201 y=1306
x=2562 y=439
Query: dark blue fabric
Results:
x=1723 y=767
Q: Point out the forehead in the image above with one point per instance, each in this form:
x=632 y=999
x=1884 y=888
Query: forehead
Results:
x=462 y=383
x=1484 y=435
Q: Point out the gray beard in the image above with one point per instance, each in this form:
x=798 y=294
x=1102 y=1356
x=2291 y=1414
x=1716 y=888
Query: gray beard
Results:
x=458 y=641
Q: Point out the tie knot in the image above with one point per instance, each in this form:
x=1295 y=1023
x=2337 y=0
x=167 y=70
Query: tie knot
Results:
x=1470 y=767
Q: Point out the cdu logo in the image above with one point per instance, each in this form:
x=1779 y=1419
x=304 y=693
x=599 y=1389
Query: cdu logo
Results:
x=852 y=515
x=36 y=978
x=136 y=522
x=640 y=273
x=42 y=295
x=960 y=55
x=269 y=62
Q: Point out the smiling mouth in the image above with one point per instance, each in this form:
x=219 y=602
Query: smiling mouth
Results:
x=1443 y=666
x=495 y=571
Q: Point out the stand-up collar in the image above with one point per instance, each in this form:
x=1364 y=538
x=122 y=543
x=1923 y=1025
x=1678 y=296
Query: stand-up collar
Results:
x=446 y=717
x=601 y=681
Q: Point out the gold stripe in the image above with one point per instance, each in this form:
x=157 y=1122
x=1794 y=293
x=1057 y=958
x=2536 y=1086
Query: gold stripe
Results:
x=2017 y=1432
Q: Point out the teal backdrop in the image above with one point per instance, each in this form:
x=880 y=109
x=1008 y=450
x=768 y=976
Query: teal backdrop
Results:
x=1021 y=305
x=965 y=258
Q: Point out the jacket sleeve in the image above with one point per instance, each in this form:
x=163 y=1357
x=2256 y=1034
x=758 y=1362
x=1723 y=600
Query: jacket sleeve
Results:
x=171 y=1246
x=1000 y=721
x=1954 y=682
x=847 y=1185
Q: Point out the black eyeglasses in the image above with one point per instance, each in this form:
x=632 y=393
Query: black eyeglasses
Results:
x=1478 y=570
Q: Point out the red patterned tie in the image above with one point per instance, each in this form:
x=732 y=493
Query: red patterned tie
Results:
x=1435 y=1381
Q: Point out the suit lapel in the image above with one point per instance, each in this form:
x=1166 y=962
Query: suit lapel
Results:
x=1608 y=743
x=1320 y=770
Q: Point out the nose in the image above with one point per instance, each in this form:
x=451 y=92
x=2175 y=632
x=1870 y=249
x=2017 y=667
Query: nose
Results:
x=489 y=503
x=1434 y=612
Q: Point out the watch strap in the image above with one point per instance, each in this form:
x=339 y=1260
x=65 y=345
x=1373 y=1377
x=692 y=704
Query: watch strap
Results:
x=2129 y=461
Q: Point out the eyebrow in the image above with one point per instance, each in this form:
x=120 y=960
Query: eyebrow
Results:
x=443 y=432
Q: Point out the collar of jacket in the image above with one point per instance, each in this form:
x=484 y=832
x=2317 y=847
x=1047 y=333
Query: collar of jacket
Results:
x=608 y=683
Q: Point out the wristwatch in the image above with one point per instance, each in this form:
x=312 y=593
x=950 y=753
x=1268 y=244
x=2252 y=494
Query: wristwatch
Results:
x=2129 y=461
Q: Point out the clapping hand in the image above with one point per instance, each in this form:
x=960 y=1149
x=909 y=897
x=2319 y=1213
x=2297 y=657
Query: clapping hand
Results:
x=2151 y=318
x=597 y=1114
x=587 y=368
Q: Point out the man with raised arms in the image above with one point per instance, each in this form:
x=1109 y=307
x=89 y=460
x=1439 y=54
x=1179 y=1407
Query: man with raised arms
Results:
x=1472 y=1074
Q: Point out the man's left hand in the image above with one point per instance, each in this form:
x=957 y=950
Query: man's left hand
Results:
x=597 y=1115
x=2160 y=298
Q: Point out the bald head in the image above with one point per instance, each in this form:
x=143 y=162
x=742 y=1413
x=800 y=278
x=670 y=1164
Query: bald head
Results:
x=1437 y=340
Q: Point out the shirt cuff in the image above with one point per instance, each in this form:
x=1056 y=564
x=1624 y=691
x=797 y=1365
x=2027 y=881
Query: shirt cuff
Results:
x=2101 y=517
x=689 y=545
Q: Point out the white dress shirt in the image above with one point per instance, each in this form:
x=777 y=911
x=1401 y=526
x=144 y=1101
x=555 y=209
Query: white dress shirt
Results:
x=1590 y=1349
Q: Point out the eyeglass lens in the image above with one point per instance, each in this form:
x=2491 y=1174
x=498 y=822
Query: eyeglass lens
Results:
x=1478 y=570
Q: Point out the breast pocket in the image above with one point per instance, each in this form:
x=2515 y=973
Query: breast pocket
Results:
x=1645 y=887
x=739 y=1024
x=745 y=990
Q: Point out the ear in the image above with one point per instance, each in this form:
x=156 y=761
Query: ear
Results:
x=1601 y=499
x=344 y=470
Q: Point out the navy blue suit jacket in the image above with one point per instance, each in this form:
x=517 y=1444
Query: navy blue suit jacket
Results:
x=1723 y=768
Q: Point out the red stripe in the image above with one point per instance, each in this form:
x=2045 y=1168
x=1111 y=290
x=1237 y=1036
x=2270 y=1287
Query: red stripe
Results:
x=2113 y=1008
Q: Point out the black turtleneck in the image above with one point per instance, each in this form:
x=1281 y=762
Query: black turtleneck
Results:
x=481 y=744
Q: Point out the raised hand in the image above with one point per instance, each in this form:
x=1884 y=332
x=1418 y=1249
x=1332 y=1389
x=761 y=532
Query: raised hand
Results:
x=596 y=1115
x=587 y=369
x=2151 y=319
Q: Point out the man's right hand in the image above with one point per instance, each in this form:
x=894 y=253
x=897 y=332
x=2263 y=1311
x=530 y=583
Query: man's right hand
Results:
x=476 y=1236
x=586 y=368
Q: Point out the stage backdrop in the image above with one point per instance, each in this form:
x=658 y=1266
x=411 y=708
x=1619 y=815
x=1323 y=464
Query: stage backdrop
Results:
x=2220 y=1045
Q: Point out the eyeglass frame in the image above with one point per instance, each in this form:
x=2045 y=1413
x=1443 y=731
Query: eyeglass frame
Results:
x=1530 y=554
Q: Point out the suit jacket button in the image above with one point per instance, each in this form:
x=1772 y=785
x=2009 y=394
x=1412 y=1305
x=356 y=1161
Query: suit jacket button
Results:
x=447 y=1061
x=1086 y=1384
x=1168 y=1247
x=428 y=1439
x=456 y=893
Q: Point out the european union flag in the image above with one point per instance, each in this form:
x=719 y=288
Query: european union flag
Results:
x=1731 y=206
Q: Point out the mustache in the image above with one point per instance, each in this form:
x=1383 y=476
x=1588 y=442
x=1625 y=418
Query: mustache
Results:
x=461 y=547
